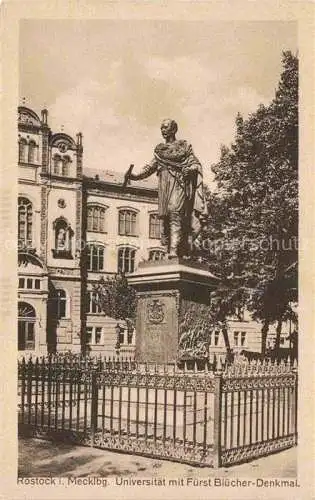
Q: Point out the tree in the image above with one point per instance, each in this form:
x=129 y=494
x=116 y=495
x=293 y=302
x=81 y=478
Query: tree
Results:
x=219 y=247
x=257 y=192
x=116 y=297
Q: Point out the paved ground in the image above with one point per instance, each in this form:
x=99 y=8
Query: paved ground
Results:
x=38 y=458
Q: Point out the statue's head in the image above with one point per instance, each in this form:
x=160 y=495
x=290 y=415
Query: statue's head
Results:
x=168 y=128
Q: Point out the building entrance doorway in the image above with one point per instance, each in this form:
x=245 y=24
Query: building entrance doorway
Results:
x=26 y=326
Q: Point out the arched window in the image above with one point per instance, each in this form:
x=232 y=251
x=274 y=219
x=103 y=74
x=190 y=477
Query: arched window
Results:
x=95 y=257
x=66 y=166
x=57 y=164
x=26 y=326
x=156 y=254
x=126 y=259
x=32 y=152
x=127 y=223
x=155 y=225
x=25 y=221
x=96 y=218
x=22 y=150
x=63 y=239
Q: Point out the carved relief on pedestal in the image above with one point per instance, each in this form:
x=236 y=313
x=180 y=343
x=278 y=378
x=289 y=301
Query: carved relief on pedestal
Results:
x=155 y=311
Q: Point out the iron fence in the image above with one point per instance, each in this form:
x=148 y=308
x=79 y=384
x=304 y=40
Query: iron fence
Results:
x=204 y=418
x=258 y=410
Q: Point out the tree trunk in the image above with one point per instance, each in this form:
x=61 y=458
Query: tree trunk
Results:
x=227 y=344
x=278 y=334
x=264 y=332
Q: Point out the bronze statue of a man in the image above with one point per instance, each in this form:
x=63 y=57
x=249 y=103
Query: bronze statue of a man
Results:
x=181 y=202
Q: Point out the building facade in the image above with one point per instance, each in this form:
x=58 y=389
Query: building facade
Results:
x=74 y=226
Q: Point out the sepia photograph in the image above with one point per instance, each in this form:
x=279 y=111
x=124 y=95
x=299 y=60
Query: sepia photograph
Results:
x=157 y=243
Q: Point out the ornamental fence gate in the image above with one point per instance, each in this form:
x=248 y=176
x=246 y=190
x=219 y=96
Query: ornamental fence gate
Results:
x=202 y=418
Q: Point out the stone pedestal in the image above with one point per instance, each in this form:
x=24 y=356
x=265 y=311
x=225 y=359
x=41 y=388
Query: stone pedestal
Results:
x=173 y=297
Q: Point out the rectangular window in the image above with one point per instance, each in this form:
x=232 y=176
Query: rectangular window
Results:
x=95 y=258
x=156 y=255
x=21 y=282
x=101 y=223
x=126 y=260
x=29 y=283
x=216 y=337
x=155 y=226
x=121 y=225
x=94 y=335
x=127 y=223
x=90 y=219
x=59 y=304
x=37 y=284
x=94 y=261
x=98 y=335
x=95 y=220
x=243 y=338
x=236 y=335
x=89 y=333
x=130 y=336
x=93 y=306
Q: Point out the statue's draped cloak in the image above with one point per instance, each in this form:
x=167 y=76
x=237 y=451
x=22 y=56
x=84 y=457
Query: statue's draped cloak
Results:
x=176 y=193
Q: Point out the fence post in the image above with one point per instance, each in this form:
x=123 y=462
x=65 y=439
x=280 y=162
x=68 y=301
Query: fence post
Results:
x=94 y=406
x=295 y=404
x=217 y=420
x=23 y=381
x=29 y=389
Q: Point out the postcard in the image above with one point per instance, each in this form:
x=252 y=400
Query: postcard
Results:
x=156 y=209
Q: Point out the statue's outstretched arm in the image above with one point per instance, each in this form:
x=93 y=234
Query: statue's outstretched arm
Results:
x=146 y=171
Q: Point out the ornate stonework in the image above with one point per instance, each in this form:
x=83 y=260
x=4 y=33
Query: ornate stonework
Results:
x=62 y=203
x=155 y=311
x=43 y=223
x=194 y=329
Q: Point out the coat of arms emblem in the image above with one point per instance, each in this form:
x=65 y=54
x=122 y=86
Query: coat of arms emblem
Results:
x=155 y=311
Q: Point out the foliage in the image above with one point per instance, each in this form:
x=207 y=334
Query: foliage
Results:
x=116 y=297
x=254 y=212
x=194 y=329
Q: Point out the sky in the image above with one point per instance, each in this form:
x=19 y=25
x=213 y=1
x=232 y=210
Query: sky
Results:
x=116 y=80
